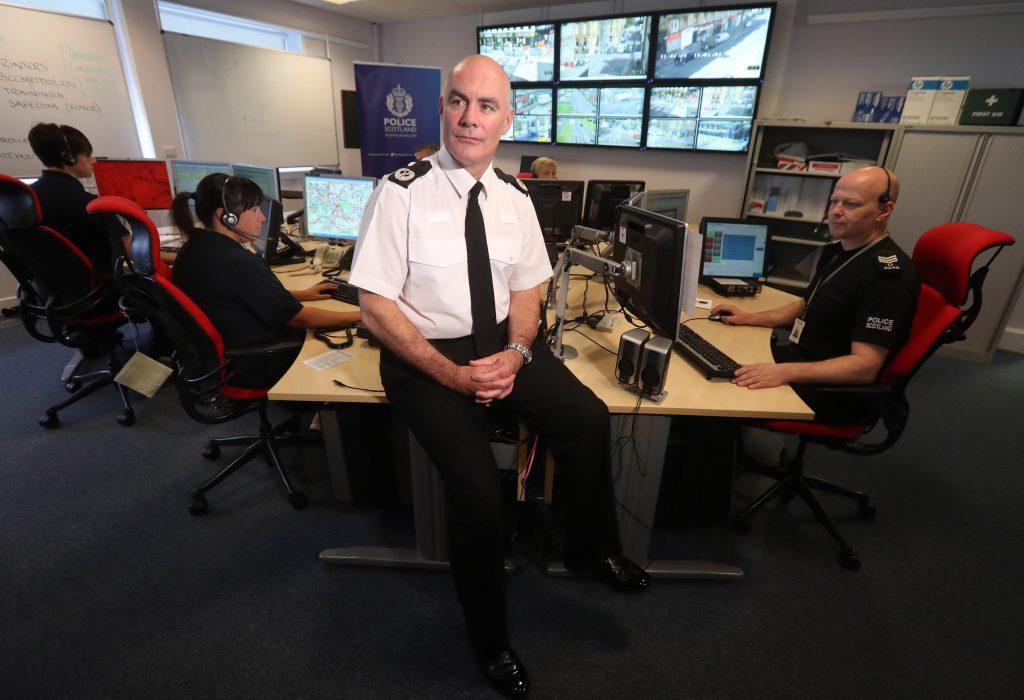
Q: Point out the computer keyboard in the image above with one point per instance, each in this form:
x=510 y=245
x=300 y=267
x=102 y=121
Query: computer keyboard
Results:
x=343 y=291
x=708 y=359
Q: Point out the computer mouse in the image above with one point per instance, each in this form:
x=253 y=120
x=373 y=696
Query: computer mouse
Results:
x=719 y=316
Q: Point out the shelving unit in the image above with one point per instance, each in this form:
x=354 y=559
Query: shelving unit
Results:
x=797 y=200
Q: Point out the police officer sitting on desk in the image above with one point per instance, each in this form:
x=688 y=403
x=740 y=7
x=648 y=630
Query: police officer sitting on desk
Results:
x=448 y=261
x=857 y=310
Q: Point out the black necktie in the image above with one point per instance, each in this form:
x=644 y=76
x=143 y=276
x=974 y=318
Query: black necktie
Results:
x=481 y=290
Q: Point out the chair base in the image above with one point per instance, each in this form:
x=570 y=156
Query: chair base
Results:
x=790 y=481
x=265 y=443
x=94 y=382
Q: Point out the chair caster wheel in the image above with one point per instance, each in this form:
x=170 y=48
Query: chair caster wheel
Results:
x=298 y=500
x=72 y=387
x=866 y=510
x=211 y=451
x=742 y=525
x=50 y=420
x=849 y=558
x=126 y=418
x=197 y=505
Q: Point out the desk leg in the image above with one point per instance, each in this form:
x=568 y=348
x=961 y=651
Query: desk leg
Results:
x=337 y=468
x=637 y=465
x=431 y=550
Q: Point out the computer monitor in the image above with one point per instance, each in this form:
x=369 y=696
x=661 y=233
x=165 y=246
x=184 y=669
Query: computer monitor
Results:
x=670 y=203
x=334 y=206
x=145 y=182
x=266 y=177
x=602 y=198
x=559 y=205
x=733 y=248
x=656 y=245
x=270 y=234
x=189 y=173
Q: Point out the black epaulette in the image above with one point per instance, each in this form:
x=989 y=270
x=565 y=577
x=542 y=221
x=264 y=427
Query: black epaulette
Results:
x=514 y=181
x=888 y=263
x=407 y=175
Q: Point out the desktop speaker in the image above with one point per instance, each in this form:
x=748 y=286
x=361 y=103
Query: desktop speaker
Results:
x=628 y=362
x=654 y=358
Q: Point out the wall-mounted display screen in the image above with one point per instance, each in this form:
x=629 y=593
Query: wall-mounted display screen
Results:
x=604 y=49
x=698 y=91
x=713 y=45
x=532 y=112
x=608 y=116
x=711 y=118
x=526 y=51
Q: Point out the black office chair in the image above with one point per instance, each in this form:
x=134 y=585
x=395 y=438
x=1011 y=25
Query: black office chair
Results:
x=203 y=367
x=949 y=301
x=61 y=298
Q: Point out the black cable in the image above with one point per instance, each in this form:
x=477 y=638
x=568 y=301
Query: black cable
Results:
x=603 y=347
x=356 y=388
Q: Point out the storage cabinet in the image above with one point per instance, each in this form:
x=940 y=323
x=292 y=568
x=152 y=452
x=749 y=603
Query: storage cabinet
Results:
x=795 y=202
x=971 y=174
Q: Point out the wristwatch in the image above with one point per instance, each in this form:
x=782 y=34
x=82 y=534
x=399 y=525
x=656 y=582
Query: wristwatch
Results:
x=522 y=350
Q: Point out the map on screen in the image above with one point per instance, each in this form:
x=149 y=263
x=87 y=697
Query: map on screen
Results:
x=334 y=205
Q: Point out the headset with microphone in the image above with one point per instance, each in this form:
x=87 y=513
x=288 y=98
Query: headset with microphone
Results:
x=230 y=218
x=883 y=199
x=69 y=155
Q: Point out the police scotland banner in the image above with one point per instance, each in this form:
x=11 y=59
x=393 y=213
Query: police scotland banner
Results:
x=397 y=112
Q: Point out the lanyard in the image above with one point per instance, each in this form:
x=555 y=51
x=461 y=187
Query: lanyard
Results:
x=836 y=271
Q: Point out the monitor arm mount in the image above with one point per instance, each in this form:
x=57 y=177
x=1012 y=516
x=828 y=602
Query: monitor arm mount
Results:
x=576 y=256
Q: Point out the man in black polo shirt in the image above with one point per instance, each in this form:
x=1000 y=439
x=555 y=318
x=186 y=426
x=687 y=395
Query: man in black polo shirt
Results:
x=856 y=312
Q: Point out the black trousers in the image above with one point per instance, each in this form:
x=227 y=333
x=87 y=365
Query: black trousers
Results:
x=451 y=427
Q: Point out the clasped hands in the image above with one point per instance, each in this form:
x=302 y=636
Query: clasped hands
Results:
x=489 y=378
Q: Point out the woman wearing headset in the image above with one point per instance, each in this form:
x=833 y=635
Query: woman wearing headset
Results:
x=244 y=300
x=67 y=158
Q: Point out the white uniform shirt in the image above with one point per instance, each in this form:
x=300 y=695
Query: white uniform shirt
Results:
x=412 y=246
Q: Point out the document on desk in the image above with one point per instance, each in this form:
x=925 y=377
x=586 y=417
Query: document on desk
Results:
x=328 y=359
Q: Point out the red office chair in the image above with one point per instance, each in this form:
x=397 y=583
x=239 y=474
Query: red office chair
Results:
x=203 y=367
x=525 y=175
x=944 y=257
x=61 y=298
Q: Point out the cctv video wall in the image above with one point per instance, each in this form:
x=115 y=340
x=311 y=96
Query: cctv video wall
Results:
x=679 y=79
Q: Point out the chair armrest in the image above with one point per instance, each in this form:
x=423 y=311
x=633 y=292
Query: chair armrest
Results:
x=263 y=350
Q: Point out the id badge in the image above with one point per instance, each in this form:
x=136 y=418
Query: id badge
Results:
x=798 y=329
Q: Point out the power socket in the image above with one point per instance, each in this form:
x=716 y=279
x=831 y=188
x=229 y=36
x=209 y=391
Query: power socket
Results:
x=608 y=322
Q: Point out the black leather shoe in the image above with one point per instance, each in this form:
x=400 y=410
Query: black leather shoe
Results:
x=506 y=674
x=618 y=572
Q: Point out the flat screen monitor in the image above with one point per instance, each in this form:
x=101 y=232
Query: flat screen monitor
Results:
x=270 y=234
x=266 y=177
x=670 y=203
x=656 y=246
x=531 y=116
x=600 y=116
x=145 y=182
x=334 y=206
x=713 y=44
x=602 y=198
x=733 y=248
x=707 y=118
x=525 y=51
x=559 y=205
x=614 y=48
x=188 y=174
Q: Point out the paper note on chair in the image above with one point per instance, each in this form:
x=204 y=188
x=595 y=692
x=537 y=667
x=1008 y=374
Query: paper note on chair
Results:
x=143 y=374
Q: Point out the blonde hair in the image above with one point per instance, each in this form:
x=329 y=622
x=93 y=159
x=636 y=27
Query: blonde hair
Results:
x=543 y=163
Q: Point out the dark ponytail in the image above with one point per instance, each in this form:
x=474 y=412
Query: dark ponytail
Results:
x=239 y=194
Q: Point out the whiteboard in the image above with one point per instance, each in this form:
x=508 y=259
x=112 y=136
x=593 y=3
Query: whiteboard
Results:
x=242 y=103
x=56 y=68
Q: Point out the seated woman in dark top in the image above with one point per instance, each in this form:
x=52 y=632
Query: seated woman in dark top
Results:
x=67 y=156
x=244 y=300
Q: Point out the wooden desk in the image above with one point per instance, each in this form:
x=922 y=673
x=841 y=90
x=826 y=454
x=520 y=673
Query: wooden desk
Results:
x=641 y=469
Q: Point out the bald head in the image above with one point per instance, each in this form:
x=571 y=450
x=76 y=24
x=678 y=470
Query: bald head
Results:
x=874 y=180
x=859 y=208
x=475 y=111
